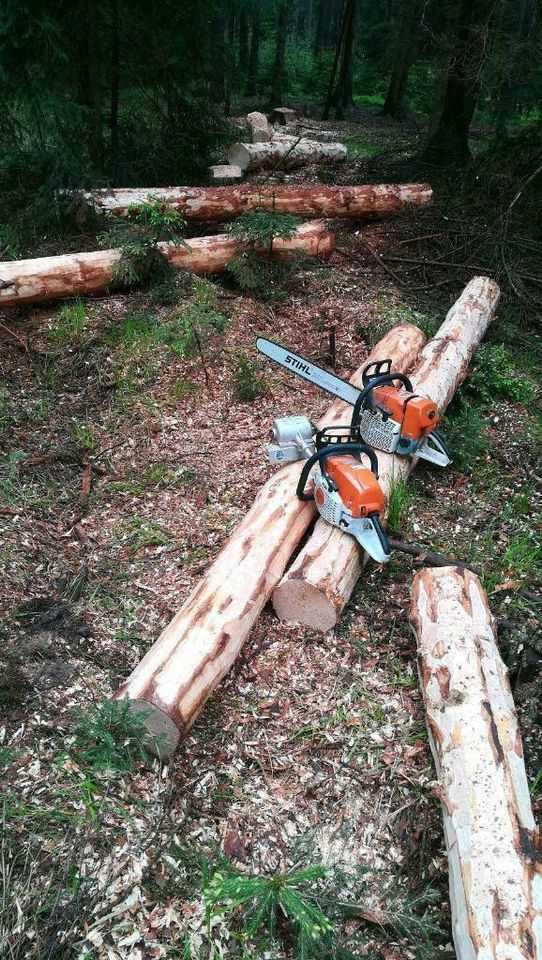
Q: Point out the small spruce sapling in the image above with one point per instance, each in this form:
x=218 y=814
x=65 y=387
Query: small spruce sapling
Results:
x=137 y=236
x=259 y=229
x=247 y=383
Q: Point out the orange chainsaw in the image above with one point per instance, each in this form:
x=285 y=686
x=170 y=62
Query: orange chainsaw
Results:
x=387 y=413
x=347 y=494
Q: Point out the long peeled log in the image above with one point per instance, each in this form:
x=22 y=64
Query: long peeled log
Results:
x=76 y=274
x=224 y=203
x=320 y=581
x=193 y=653
x=494 y=851
x=286 y=153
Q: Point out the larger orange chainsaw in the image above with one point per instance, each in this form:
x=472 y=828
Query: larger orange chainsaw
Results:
x=387 y=413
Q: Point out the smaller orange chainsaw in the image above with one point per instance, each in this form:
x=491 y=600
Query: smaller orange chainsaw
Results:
x=347 y=494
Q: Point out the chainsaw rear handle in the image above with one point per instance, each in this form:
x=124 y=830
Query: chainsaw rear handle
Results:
x=364 y=398
x=321 y=456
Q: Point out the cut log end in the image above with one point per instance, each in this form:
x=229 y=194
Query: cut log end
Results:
x=163 y=735
x=305 y=604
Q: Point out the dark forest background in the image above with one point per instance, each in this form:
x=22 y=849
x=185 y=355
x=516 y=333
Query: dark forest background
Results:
x=132 y=93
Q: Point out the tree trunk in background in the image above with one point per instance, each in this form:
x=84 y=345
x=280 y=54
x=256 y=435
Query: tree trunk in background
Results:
x=217 y=84
x=450 y=141
x=243 y=40
x=340 y=96
x=405 y=53
x=338 y=49
x=516 y=50
x=254 y=57
x=114 y=118
x=344 y=96
x=94 y=80
x=280 y=52
x=322 y=26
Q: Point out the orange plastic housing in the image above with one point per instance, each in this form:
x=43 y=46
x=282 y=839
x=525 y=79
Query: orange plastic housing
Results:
x=359 y=489
x=417 y=416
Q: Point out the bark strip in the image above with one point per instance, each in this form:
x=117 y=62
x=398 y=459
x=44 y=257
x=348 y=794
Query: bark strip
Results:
x=494 y=852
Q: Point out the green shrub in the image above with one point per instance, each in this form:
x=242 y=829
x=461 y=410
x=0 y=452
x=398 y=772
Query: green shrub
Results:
x=263 y=903
x=494 y=377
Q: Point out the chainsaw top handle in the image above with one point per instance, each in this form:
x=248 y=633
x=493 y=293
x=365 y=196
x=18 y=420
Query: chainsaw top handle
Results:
x=364 y=398
x=329 y=451
x=382 y=368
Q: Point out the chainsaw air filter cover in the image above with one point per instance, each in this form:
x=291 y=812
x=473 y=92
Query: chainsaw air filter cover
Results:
x=358 y=488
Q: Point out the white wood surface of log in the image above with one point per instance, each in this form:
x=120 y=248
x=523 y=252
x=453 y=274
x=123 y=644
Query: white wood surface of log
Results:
x=494 y=851
x=315 y=589
x=81 y=274
x=178 y=674
x=258 y=156
x=224 y=203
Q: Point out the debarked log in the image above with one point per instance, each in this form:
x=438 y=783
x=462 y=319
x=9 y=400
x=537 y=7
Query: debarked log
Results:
x=225 y=203
x=81 y=274
x=494 y=851
x=283 y=153
x=178 y=674
x=319 y=583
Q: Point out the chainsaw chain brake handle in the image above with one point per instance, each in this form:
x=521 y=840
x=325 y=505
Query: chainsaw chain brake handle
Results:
x=330 y=450
x=382 y=375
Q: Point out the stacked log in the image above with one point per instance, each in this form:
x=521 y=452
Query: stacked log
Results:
x=493 y=847
x=224 y=203
x=259 y=156
x=178 y=674
x=80 y=274
x=319 y=583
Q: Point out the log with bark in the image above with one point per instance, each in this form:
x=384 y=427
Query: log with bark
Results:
x=320 y=581
x=178 y=674
x=259 y=156
x=224 y=203
x=80 y=274
x=494 y=851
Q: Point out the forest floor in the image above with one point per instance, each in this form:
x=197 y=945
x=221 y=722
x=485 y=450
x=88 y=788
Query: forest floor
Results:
x=124 y=472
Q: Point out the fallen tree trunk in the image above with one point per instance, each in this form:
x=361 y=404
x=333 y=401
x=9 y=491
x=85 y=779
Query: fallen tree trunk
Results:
x=193 y=653
x=315 y=589
x=493 y=847
x=80 y=274
x=224 y=203
x=258 y=156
